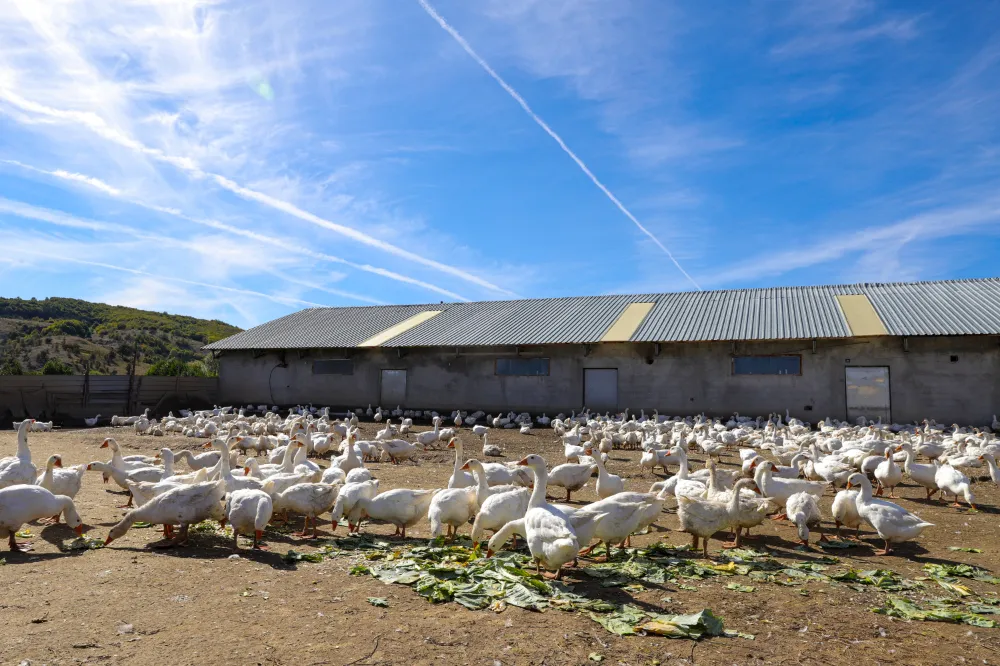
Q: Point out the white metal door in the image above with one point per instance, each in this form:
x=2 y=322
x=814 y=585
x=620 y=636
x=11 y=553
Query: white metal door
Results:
x=868 y=394
x=393 y=387
x=600 y=388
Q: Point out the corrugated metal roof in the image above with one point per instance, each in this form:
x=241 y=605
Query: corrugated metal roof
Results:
x=953 y=307
x=319 y=328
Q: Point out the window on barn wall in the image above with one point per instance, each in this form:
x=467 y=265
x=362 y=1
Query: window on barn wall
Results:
x=531 y=367
x=334 y=366
x=767 y=365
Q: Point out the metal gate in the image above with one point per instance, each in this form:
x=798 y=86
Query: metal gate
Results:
x=868 y=394
x=600 y=388
x=393 y=388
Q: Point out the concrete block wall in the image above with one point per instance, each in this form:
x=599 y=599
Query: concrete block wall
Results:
x=682 y=378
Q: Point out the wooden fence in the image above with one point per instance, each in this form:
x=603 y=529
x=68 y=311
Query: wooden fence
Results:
x=69 y=399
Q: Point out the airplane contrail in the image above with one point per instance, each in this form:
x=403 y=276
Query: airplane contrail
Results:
x=97 y=264
x=99 y=126
x=237 y=231
x=552 y=133
x=61 y=219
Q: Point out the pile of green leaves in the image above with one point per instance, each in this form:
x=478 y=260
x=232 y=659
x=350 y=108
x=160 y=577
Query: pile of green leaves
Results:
x=457 y=573
x=939 y=611
x=85 y=542
x=949 y=572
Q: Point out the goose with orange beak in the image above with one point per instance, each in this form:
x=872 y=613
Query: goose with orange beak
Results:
x=548 y=531
x=893 y=523
x=22 y=504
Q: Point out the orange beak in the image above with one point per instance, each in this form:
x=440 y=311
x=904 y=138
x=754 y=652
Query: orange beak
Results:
x=79 y=530
x=523 y=462
x=451 y=444
x=105 y=444
x=848 y=485
x=466 y=465
x=206 y=445
x=489 y=552
x=58 y=462
x=108 y=540
x=246 y=470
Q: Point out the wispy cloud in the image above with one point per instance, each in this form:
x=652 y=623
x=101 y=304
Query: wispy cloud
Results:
x=95 y=183
x=22 y=251
x=97 y=125
x=220 y=259
x=272 y=241
x=555 y=137
x=870 y=247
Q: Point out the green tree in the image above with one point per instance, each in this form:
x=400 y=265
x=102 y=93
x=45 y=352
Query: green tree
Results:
x=11 y=366
x=174 y=367
x=56 y=367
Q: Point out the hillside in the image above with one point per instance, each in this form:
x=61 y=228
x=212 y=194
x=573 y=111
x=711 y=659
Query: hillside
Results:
x=80 y=334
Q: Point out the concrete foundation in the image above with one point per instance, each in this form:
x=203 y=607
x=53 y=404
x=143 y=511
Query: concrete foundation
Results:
x=949 y=379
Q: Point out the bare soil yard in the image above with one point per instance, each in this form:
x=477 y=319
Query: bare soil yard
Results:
x=132 y=605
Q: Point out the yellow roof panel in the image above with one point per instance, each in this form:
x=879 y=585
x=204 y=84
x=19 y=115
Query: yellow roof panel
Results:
x=628 y=322
x=388 y=334
x=861 y=315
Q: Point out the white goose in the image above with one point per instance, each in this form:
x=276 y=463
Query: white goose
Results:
x=491 y=450
x=402 y=507
x=184 y=506
x=61 y=480
x=802 y=509
x=19 y=469
x=551 y=538
x=459 y=478
x=991 y=461
x=892 y=522
x=607 y=484
x=570 y=476
x=923 y=475
x=233 y=483
x=780 y=490
x=680 y=483
x=702 y=518
x=248 y=511
x=950 y=480
x=349 y=503
x=452 y=507
x=499 y=509
x=22 y=504
x=309 y=499
x=845 y=512
x=889 y=474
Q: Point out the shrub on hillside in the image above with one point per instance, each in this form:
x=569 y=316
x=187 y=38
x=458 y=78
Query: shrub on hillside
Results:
x=56 y=367
x=11 y=366
x=174 y=367
x=67 y=327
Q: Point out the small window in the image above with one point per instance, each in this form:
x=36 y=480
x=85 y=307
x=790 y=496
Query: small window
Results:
x=767 y=365
x=532 y=367
x=334 y=366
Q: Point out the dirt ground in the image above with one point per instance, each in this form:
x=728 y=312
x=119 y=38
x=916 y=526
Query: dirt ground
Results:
x=128 y=604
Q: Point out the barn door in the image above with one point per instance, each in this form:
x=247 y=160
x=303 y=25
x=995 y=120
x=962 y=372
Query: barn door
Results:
x=600 y=388
x=393 y=388
x=868 y=394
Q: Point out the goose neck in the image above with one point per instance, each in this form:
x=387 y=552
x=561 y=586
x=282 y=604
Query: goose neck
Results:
x=538 y=492
x=23 y=451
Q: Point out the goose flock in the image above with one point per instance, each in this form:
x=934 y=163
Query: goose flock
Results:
x=260 y=466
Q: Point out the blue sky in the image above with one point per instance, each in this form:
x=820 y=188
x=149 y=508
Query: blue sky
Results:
x=241 y=160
